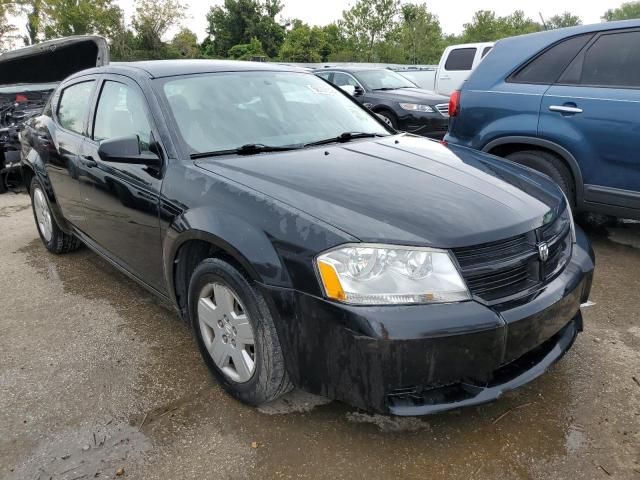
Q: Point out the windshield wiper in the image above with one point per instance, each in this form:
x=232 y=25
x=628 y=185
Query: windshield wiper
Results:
x=248 y=149
x=386 y=88
x=344 y=137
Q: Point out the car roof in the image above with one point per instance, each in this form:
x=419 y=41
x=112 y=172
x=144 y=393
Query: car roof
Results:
x=349 y=69
x=510 y=53
x=170 y=68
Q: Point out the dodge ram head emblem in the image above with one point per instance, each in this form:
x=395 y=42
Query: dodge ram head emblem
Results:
x=543 y=251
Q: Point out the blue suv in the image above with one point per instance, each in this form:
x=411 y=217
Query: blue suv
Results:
x=566 y=103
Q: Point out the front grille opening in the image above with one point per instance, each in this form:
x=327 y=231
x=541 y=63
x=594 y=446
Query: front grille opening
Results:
x=506 y=269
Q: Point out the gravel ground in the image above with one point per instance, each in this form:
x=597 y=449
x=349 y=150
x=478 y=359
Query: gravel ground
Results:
x=96 y=376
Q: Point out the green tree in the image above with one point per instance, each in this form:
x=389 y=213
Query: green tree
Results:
x=246 y=51
x=626 y=11
x=152 y=20
x=368 y=23
x=421 y=34
x=565 y=19
x=7 y=29
x=185 y=44
x=304 y=44
x=32 y=9
x=237 y=22
x=486 y=26
x=62 y=18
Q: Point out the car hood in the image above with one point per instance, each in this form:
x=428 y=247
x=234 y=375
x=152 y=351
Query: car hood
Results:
x=402 y=190
x=52 y=61
x=412 y=95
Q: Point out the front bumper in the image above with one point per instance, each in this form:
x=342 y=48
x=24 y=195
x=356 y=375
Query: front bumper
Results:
x=432 y=125
x=421 y=359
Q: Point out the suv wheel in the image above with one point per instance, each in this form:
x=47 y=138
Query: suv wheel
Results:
x=550 y=165
x=388 y=117
x=50 y=233
x=236 y=334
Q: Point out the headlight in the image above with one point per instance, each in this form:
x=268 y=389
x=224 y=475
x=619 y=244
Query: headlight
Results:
x=381 y=275
x=415 y=107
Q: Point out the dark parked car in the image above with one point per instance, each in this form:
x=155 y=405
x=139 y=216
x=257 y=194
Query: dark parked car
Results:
x=564 y=102
x=397 y=100
x=304 y=242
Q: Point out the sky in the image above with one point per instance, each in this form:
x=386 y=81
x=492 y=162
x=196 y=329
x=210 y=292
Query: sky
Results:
x=452 y=14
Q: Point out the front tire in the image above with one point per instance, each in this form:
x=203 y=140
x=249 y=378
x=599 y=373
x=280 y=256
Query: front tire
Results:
x=551 y=166
x=236 y=333
x=52 y=236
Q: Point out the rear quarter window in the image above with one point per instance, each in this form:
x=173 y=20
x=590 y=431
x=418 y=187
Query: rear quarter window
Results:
x=460 y=59
x=613 y=60
x=549 y=65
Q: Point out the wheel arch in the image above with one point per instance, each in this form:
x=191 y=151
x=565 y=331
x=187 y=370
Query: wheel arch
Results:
x=506 y=145
x=208 y=233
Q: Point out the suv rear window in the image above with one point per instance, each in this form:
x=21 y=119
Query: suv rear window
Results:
x=460 y=59
x=549 y=65
x=612 y=61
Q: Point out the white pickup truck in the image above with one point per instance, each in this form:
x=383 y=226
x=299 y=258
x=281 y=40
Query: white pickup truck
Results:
x=456 y=64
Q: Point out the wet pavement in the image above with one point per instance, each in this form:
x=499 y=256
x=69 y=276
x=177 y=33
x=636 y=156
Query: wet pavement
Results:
x=96 y=375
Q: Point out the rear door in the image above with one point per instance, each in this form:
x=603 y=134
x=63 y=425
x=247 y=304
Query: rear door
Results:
x=70 y=107
x=454 y=69
x=594 y=111
x=120 y=199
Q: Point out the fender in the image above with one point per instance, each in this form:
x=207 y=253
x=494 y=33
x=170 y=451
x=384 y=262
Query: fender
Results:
x=250 y=247
x=565 y=154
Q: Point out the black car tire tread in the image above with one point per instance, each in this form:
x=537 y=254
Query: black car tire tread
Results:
x=550 y=165
x=270 y=379
x=60 y=242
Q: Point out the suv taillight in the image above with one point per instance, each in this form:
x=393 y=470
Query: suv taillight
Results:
x=454 y=103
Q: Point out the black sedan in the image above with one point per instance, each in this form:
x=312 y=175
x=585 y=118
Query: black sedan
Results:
x=398 y=101
x=304 y=242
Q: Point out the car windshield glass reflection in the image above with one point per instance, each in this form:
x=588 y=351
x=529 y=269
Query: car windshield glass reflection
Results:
x=225 y=111
x=384 y=80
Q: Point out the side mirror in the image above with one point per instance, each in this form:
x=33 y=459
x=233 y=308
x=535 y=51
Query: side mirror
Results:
x=127 y=150
x=358 y=91
x=350 y=89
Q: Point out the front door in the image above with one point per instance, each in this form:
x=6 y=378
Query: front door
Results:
x=595 y=108
x=120 y=199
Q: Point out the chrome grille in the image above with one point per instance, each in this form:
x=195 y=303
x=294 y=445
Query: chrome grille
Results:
x=500 y=271
x=443 y=108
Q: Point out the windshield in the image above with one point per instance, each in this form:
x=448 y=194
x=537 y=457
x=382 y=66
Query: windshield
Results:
x=383 y=79
x=229 y=110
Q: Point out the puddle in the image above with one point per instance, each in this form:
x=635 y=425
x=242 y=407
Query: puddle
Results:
x=389 y=424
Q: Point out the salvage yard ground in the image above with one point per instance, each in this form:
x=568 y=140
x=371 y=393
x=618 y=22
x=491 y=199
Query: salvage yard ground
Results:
x=98 y=378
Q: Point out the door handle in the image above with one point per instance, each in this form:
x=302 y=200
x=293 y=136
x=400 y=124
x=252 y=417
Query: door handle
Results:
x=565 y=109
x=88 y=161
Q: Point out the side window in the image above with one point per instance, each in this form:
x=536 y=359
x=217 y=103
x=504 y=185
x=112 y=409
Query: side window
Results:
x=121 y=112
x=460 y=59
x=612 y=61
x=74 y=105
x=485 y=51
x=324 y=75
x=342 y=79
x=547 y=67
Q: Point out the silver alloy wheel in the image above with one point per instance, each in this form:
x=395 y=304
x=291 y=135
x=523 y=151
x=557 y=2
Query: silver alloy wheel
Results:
x=43 y=215
x=226 y=332
x=386 y=120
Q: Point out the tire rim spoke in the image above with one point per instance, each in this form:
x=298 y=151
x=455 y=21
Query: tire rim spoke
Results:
x=227 y=332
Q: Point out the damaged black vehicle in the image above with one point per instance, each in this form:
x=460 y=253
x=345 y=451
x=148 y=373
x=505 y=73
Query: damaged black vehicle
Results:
x=28 y=76
x=305 y=242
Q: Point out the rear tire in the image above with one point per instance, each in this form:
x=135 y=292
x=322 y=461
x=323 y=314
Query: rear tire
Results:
x=550 y=165
x=52 y=236
x=253 y=370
